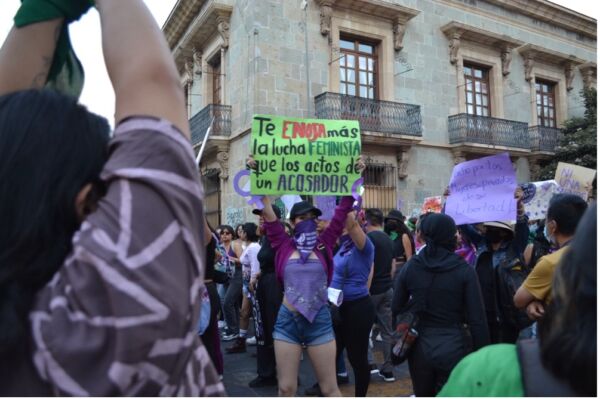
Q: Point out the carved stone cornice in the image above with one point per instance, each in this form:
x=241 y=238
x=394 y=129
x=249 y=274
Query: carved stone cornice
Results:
x=532 y=53
x=223 y=160
x=553 y=14
x=397 y=14
x=458 y=156
x=457 y=32
x=210 y=17
x=223 y=28
x=588 y=74
x=402 y=156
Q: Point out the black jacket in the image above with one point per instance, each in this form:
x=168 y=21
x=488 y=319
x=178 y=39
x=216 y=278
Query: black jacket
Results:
x=451 y=292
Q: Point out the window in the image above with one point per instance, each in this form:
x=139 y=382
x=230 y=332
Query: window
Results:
x=477 y=90
x=217 y=97
x=546 y=111
x=358 y=68
x=380 y=186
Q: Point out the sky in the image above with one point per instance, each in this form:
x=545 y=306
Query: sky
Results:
x=97 y=93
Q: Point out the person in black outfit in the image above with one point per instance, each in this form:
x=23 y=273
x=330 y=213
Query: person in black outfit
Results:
x=269 y=295
x=211 y=336
x=381 y=288
x=443 y=290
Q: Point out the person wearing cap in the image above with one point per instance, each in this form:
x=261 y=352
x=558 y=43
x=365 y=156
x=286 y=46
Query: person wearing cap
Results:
x=304 y=267
x=500 y=243
x=404 y=247
x=564 y=213
x=269 y=296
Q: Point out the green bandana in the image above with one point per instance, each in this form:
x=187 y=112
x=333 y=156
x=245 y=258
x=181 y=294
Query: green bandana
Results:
x=66 y=72
x=394 y=235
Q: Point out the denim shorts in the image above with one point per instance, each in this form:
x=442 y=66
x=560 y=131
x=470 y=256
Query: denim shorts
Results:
x=294 y=328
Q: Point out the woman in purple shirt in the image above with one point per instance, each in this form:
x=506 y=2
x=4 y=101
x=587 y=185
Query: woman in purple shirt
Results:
x=303 y=266
x=353 y=270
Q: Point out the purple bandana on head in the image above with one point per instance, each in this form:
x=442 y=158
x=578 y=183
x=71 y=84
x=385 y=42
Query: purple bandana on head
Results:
x=305 y=237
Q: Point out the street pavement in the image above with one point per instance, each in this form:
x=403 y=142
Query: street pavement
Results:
x=240 y=369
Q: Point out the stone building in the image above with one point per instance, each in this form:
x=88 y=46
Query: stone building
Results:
x=432 y=82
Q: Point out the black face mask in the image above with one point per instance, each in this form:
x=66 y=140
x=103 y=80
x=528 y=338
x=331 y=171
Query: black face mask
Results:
x=495 y=236
x=391 y=226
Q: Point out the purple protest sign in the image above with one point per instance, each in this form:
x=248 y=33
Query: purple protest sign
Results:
x=483 y=190
x=327 y=205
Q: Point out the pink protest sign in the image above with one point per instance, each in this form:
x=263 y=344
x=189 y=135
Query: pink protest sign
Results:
x=483 y=190
x=432 y=204
x=327 y=205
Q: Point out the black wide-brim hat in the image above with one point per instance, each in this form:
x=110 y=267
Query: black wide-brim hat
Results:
x=395 y=214
x=276 y=210
x=303 y=207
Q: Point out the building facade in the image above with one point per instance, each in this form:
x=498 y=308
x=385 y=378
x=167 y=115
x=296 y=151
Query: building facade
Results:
x=432 y=82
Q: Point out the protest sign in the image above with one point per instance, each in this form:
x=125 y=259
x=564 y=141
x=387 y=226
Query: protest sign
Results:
x=574 y=179
x=304 y=156
x=536 y=198
x=482 y=190
x=432 y=204
x=327 y=205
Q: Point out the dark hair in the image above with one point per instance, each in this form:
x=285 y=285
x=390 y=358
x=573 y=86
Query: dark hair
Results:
x=50 y=148
x=228 y=228
x=237 y=228
x=250 y=230
x=567 y=332
x=374 y=216
x=566 y=210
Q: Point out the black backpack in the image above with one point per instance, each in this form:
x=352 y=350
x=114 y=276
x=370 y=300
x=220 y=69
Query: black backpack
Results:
x=510 y=274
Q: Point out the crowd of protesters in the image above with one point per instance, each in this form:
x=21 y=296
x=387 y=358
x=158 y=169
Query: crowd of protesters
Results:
x=104 y=246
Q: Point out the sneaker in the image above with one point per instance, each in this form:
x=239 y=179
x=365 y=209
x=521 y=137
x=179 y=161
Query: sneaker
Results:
x=315 y=390
x=229 y=337
x=260 y=382
x=343 y=379
x=251 y=341
x=387 y=376
x=239 y=346
x=374 y=368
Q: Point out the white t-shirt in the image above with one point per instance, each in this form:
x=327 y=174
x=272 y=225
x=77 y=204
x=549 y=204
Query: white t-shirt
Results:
x=249 y=259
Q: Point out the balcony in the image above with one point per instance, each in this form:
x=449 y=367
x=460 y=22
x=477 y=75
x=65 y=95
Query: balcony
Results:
x=482 y=131
x=544 y=139
x=201 y=121
x=386 y=117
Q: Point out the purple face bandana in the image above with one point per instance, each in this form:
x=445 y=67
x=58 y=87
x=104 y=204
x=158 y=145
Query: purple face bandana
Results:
x=305 y=237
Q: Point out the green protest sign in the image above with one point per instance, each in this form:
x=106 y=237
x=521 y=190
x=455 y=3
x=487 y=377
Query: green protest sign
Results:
x=304 y=156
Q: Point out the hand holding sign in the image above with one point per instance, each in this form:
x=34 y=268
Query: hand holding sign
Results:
x=304 y=156
x=482 y=190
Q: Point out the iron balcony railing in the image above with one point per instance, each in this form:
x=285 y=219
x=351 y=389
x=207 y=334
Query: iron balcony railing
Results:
x=373 y=115
x=465 y=128
x=220 y=127
x=544 y=138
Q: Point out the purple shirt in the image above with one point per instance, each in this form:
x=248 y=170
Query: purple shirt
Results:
x=305 y=286
x=284 y=245
x=356 y=265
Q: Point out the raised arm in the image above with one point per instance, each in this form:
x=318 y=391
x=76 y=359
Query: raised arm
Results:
x=357 y=235
x=331 y=234
x=140 y=65
x=26 y=56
